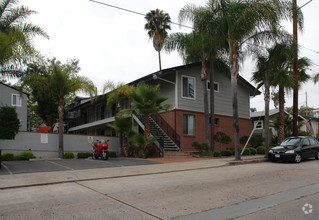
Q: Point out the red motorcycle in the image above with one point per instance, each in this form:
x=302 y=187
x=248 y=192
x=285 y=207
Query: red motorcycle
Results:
x=100 y=149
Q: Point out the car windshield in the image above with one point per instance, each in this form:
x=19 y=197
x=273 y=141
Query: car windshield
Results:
x=290 y=141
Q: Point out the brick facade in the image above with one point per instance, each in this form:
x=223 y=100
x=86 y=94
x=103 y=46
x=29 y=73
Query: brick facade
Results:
x=175 y=119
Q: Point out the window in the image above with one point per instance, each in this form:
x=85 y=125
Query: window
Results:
x=216 y=86
x=188 y=87
x=313 y=141
x=258 y=124
x=16 y=100
x=216 y=121
x=189 y=124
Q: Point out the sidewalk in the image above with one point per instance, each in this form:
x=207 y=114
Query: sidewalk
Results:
x=169 y=165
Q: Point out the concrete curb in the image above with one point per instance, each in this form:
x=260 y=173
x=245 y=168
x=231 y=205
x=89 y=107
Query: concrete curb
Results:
x=233 y=163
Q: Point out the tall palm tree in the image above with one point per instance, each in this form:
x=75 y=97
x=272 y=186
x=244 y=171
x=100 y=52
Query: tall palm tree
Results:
x=244 y=22
x=63 y=83
x=158 y=22
x=194 y=47
x=16 y=35
x=146 y=101
x=204 y=46
x=262 y=77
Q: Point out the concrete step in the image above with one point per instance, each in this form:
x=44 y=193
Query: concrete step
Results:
x=176 y=154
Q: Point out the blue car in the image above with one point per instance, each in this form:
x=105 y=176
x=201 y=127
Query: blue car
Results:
x=295 y=149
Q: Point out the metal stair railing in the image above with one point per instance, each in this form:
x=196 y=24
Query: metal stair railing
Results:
x=167 y=128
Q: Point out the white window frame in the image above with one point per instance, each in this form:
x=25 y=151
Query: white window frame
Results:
x=194 y=126
x=18 y=100
x=261 y=124
x=183 y=76
x=215 y=83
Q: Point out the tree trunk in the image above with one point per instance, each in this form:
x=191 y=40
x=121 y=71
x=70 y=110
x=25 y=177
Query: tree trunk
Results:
x=159 y=60
x=266 y=125
x=147 y=132
x=60 y=111
x=281 y=129
x=125 y=145
x=234 y=75
x=206 y=113
x=212 y=104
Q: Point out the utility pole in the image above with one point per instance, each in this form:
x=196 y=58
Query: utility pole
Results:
x=306 y=105
x=295 y=68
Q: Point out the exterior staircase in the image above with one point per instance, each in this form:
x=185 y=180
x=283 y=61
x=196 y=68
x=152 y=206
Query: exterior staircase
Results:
x=167 y=139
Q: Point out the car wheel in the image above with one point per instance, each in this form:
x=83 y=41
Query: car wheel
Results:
x=317 y=155
x=297 y=158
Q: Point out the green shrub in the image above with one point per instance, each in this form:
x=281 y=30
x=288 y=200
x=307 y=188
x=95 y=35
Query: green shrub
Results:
x=252 y=150
x=261 y=150
x=26 y=155
x=226 y=153
x=303 y=133
x=133 y=151
x=274 y=140
x=82 y=155
x=232 y=150
x=7 y=157
x=216 y=154
x=113 y=154
x=9 y=122
x=151 y=151
x=68 y=155
x=200 y=147
x=246 y=151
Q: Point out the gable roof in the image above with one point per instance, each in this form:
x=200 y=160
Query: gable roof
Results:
x=253 y=90
x=13 y=88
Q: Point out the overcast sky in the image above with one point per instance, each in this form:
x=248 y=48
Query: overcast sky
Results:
x=112 y=44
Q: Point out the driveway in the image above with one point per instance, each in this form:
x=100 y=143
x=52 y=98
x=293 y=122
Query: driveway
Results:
x=17 y=167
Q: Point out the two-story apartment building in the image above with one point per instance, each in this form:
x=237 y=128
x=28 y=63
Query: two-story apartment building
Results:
x=9 y=96
x=184 y=123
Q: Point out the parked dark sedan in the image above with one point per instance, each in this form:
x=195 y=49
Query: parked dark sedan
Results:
x=295 y=149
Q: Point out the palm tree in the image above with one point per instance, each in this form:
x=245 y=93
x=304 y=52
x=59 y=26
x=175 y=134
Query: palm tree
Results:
x=158 y=22
x=284 y=77
x=204 y=46
x=146 y=101
x=194 y=47
x=272 y=70
x=244 y=22
x=262 y=77
x=62 y=84
x=118 y=93
x=124 y=126
x=16 y=36
x=141 y=141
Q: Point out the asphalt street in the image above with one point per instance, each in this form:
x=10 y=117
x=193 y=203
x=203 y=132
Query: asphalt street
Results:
x=33 y=166
x=252 y=191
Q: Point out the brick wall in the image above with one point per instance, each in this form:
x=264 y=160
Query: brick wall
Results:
x=175 y=119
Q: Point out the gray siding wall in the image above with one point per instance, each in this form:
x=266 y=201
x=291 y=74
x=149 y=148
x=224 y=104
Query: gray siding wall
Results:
x=25 y=141
x=6 y=100
x=223 y=98
x=166 y=88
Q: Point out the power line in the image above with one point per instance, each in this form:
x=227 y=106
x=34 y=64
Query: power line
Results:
x=181 y=25
x=305 y=4
x=134 y=12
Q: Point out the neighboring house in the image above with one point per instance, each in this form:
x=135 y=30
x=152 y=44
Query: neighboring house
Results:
x=9 y=96
x=184 y=123
x=258 y=121
x=314 y=121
